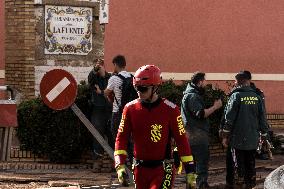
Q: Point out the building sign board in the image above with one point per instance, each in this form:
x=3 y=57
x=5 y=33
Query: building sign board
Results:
x=68 y=30
x=104 y=11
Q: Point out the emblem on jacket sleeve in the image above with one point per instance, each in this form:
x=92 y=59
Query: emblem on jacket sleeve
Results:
x=121 y=125
x=156 y=134
x=180 y=125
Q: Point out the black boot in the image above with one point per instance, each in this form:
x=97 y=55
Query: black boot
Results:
x=229 y=186
x=204 y=185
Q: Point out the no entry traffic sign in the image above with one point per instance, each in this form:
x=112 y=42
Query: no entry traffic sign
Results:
x=58 y=89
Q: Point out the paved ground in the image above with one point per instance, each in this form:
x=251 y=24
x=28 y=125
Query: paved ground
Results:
x=86 y=179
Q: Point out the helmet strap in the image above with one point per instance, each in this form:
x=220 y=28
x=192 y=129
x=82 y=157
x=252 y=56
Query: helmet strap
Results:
x=154 y=90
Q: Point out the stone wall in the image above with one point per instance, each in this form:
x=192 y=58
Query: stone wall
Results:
x=2 y=38
x=79 y=73
x=78 y=65
x=19 y=45
x=25 y=43
x=68 y=60
x=276 y=121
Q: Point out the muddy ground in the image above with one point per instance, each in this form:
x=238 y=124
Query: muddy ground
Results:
x=86 y=179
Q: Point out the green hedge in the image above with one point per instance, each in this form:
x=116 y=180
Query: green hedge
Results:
x=61 y=136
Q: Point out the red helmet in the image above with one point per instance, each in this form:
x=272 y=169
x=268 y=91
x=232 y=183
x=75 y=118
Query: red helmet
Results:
x=147 y=75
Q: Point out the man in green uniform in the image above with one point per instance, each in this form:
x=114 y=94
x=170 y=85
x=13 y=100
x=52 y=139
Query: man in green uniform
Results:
x=195 y=114
x=244 y=118
x=229 y=156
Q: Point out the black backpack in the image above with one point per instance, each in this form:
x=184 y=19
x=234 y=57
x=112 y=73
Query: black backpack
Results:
x=128 y=92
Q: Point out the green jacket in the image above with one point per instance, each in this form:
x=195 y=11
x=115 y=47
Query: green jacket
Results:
x=244 y=118
x=197 y=126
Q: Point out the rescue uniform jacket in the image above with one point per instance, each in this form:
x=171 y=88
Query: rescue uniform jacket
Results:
x=98 y=101
x=191 y=107
x=244 y=118
x=151 y=129
x=257 y=91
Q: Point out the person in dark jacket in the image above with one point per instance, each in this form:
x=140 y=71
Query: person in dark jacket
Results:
x=230 y=169
x=195 y=118
x=230 y=173
x=101 y=107
x=263 y=152
x=230 y=166
x=244 y=118
x=256 y=90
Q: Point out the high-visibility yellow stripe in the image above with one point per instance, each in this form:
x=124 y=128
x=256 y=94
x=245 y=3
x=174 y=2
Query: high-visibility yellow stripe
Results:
x=120 y=152
x=186 y=158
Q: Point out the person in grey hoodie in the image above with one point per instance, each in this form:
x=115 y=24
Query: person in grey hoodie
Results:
x=195 y=117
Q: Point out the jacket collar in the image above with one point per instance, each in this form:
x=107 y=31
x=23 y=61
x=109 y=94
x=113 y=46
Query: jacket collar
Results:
x=192 y=88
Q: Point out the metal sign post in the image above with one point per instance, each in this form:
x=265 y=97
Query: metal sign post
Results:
x=97 y=135
x=58 y=89
x=92 y=129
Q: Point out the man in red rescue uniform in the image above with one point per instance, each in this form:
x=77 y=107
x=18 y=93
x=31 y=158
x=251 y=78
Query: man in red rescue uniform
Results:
x=151 y=122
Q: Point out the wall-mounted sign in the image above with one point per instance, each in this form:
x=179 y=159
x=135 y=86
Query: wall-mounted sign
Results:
x=68 y=30
x=104 y=11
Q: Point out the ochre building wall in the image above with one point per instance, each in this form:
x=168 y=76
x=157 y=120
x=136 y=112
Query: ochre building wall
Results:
x=219 y=37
